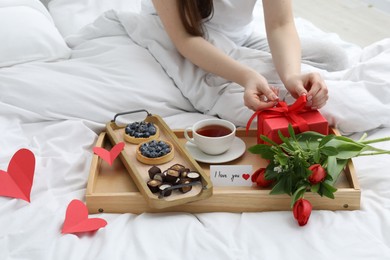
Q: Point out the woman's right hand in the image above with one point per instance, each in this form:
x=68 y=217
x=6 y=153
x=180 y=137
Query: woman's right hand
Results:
x=258 y=94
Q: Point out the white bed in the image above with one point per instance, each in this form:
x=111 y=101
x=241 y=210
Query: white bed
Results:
x=63 y=76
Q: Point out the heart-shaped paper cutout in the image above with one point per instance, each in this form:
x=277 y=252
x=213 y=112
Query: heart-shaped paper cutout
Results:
x=246 y=176
x=17 y=181
x=109 y=156
x=77 y=221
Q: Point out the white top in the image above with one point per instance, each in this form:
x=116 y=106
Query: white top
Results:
x=233 y=18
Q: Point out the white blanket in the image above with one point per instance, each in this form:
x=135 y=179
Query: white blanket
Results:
x=215 y=96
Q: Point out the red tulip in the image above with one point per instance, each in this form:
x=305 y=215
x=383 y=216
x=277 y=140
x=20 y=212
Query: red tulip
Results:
x=318 y=174
x=259 y=177
x=302 y=210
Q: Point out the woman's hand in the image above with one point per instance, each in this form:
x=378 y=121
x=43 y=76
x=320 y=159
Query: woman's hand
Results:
x=258 y=94
x=310 y=84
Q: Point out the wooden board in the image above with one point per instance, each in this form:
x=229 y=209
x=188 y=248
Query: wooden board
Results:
x=139 y=171
x=111 y=189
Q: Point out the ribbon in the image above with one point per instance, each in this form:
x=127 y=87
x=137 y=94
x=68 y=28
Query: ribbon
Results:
x=291 y=113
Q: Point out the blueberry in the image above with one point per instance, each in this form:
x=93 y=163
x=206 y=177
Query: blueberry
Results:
x=152 y=130
x=142 y=128
x=154 y=154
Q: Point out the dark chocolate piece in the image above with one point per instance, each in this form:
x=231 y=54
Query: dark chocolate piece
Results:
x=153 y=171
x=154 y=185
x=159 y=176
x=193 y=176
x=164 y=186
x=185 y=189
x=171 y=175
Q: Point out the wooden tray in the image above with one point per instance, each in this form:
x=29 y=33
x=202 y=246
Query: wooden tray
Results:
x=110 y=189
x=139 y=171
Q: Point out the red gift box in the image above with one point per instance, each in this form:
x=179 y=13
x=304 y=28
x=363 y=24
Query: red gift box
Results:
x=302 y=119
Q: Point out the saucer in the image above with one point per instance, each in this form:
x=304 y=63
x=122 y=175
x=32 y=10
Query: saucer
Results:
x=236 y=150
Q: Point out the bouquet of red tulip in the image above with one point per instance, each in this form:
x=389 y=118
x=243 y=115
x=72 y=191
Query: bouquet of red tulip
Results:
x=308 y=161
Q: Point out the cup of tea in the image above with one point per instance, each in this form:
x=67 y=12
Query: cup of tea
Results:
x=212 y=136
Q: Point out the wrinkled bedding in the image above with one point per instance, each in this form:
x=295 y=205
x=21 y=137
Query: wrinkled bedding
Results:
x=57 y=109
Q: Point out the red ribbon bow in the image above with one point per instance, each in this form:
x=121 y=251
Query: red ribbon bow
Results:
x=291 y=113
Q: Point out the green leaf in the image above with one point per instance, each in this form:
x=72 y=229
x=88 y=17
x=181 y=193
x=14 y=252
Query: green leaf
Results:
x=326 y=139
x=264 y=150
x=347 y=140
x=314 y=188
x=334 y=167
x=329 y=151
x=346 y=147
x=348 y=154
x=291 y=131
x=267 y=140
x=282 y=158
x=327 y=190
x=270 y=174
x=279 y=187
x=284 y=139
x=342 y=141
x=288 y=186
x=309 y=139
x=288 y=149
x=317 y=156
x=310 y=136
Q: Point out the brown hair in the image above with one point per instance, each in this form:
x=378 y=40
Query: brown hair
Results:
x=192 y=13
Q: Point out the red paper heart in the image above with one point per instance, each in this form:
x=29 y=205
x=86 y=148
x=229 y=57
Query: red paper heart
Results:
x=246 y=176
x=77 y=221
x=109 y=156
x=17 y=181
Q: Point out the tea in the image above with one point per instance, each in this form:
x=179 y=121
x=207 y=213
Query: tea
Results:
x=214 y=131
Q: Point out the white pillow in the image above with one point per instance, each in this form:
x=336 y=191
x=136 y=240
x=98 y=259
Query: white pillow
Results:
x=28 y=34
x=71 y=15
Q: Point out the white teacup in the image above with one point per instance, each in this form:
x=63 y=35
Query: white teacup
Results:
x=212 y=136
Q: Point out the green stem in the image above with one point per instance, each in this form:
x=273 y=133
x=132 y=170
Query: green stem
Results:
x=377 y=153
x=364 y=136
x=376 y=140
x=374 y=149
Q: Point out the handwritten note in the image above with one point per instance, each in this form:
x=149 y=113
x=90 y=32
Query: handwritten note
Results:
x=231 y=175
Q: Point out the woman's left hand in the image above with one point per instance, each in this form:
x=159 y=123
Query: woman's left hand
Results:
x=310 y=84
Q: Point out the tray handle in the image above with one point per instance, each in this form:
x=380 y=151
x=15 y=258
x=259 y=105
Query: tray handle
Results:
x=131 y=112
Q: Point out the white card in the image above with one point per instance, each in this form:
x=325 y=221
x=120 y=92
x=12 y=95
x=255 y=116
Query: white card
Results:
x=231 y=175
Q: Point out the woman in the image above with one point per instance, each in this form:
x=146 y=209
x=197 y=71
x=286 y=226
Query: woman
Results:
x=185 y=22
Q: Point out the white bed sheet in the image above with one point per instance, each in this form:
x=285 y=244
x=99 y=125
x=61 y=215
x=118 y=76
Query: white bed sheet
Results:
x=32 y=231
x=57 y=110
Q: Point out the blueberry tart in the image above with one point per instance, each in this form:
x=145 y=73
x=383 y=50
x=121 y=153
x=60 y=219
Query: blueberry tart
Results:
x=139 y=132
x=155 y=152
